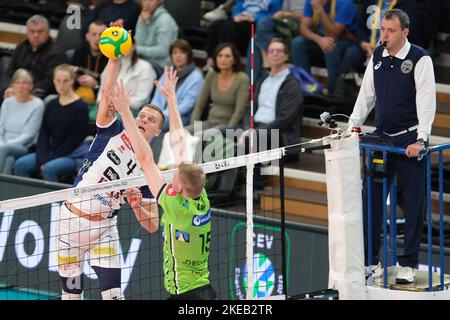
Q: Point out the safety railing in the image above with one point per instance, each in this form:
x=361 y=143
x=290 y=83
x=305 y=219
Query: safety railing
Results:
x=367 y=154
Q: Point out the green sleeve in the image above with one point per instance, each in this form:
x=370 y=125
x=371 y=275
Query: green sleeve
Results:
x=168 y=199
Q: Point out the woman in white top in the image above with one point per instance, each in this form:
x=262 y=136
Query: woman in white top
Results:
x=20 y=120
x=138 y=78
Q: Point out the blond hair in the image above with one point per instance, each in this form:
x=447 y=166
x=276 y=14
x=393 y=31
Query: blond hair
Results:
x=192 y=177
x=66 y=68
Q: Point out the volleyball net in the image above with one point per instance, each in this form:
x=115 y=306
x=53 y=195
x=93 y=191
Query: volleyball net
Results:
x=243 y=226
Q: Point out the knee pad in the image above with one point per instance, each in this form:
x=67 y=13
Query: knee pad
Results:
x=108 y=277
x=112 y=294
x=72 y=285
x=71 y=296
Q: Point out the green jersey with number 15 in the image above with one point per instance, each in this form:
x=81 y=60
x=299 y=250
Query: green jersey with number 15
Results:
x=187 y=233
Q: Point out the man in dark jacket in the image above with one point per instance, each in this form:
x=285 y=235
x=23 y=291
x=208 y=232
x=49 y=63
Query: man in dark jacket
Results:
x=278 y=97
x=278 y=106
x=38 y=55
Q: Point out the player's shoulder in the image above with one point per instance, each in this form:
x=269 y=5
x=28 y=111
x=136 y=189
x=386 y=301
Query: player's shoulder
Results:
x=167 y=193
x=112 y=128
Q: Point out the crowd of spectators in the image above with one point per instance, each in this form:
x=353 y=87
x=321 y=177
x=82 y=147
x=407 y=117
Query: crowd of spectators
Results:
x=49 y=96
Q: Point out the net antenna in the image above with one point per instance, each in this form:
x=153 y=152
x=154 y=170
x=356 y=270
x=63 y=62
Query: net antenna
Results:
x=249 y=177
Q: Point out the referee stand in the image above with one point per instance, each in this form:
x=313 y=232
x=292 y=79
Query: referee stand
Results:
x=429 y=284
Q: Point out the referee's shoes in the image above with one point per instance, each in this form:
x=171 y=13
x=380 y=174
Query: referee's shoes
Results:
x=405 y=275
x=373 y=272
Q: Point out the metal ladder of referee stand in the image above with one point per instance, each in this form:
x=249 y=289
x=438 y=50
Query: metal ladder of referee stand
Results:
x=428 y=284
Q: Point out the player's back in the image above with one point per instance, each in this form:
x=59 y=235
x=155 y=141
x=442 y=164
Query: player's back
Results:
x=187 y=235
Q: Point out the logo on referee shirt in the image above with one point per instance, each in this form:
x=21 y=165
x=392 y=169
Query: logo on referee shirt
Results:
x=406 y=66
x=378 y=65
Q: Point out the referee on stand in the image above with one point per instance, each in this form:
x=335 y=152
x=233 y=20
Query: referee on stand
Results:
x=399 y=83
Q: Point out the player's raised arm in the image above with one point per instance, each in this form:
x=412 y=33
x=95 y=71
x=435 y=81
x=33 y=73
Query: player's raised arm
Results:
x=177 y=132
x=144 y=154
x=145 y=210
x=106 y=111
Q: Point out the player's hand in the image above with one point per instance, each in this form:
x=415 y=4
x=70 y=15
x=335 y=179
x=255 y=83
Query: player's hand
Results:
x=134 y=197
x=170 y=83
x=120 y=98
x=117 y=23
x=414 y=149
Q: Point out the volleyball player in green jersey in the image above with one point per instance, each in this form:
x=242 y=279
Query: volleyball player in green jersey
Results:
x=186 y=218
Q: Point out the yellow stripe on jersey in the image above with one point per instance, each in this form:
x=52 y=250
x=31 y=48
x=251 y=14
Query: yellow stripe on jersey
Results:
x=100 y=251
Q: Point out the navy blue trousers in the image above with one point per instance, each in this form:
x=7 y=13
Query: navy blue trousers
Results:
x=411 y=184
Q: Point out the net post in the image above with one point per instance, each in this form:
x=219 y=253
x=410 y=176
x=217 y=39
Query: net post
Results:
x=249 y=236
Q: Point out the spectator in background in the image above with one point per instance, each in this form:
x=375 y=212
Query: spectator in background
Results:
x=284 y=23
x=225 y=92
x=89 y=62
x=278 y=96
x=60 y=147
x=278 y=100
x=238 y=30
x=278 y=106
x=155 y=31
x=39 y=55
x=189 y=85
x=112 y=10
x=138 y=77
x=20 y=120
x=326 y=30
x=368 y=31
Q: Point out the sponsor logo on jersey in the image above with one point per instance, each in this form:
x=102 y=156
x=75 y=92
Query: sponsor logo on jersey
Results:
x=127 y=142
x=182 y=236
x=111 y=174
x=199 y=221
x=113 y=157
x=121 y=148
x=170 y=191
x=194 y=262
x=86 y=164
x=104 y=201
